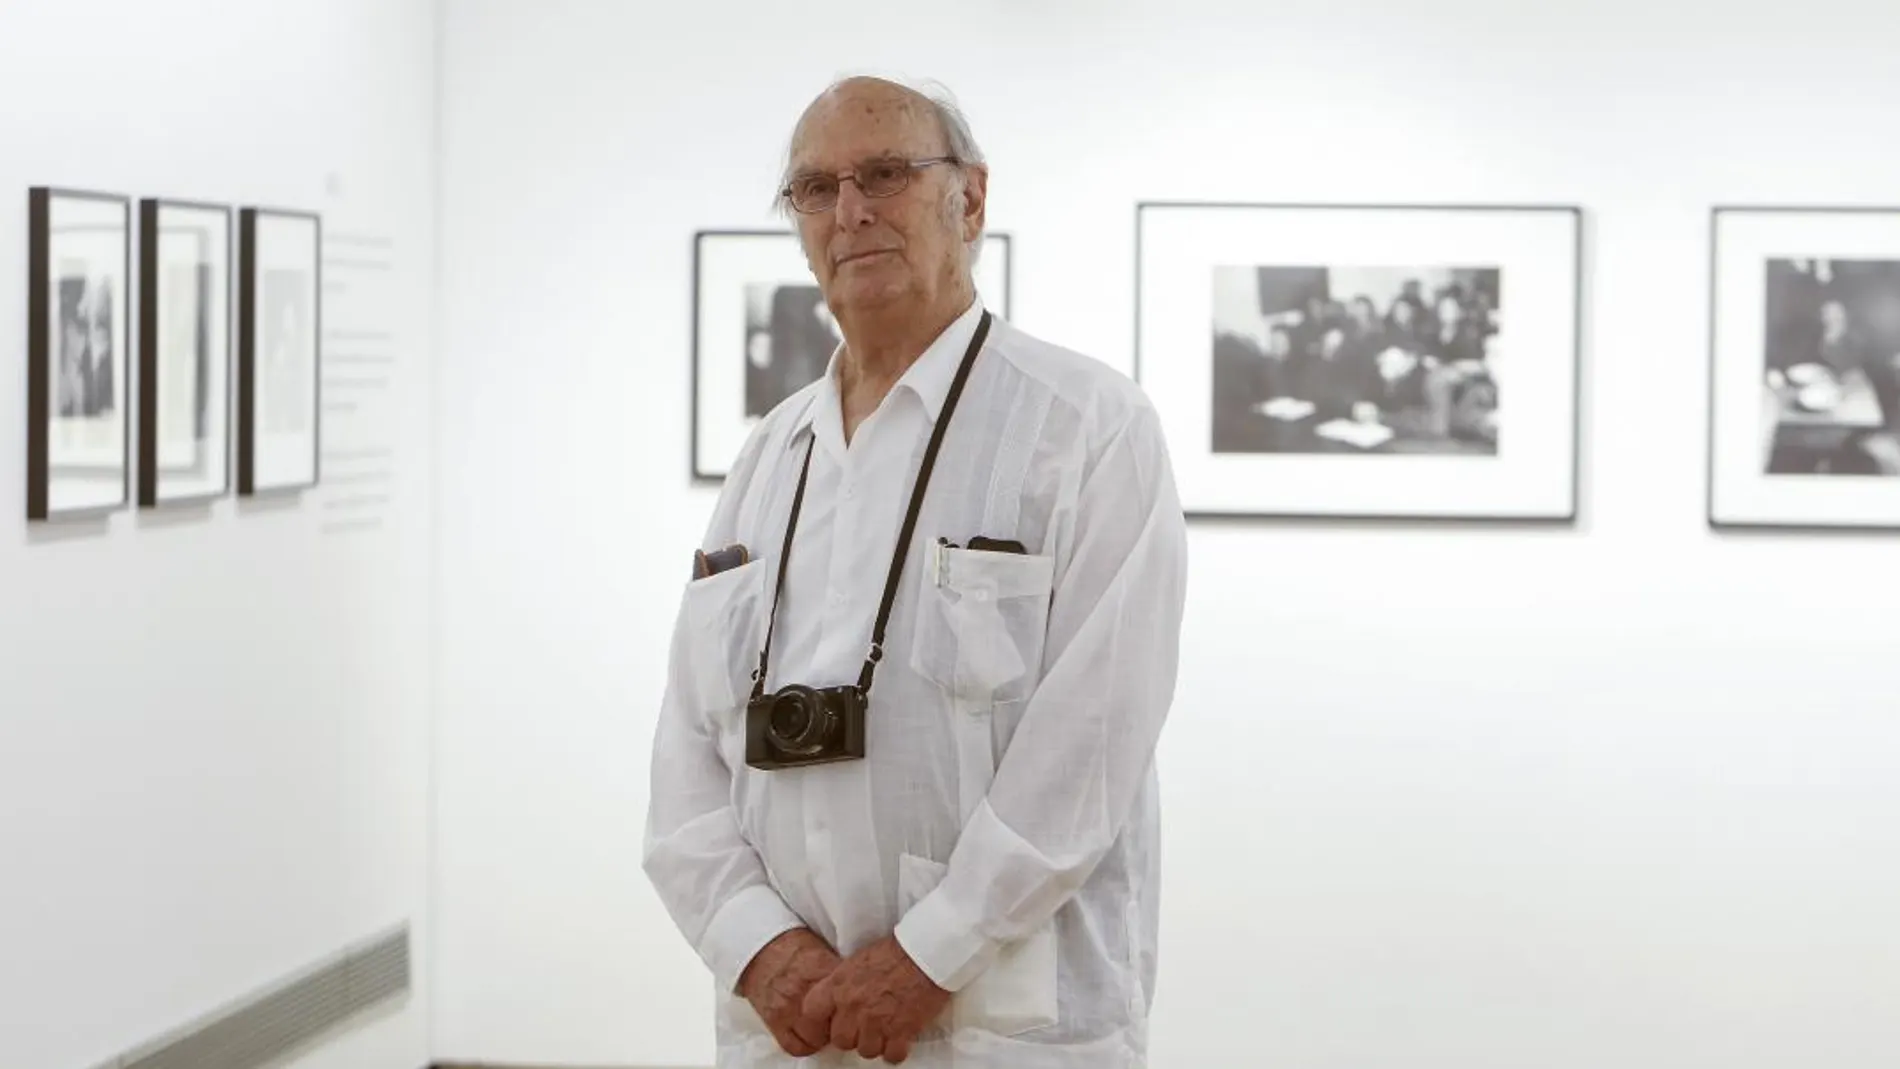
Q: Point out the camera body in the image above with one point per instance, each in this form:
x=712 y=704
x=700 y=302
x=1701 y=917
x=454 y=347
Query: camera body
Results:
x=796 y=726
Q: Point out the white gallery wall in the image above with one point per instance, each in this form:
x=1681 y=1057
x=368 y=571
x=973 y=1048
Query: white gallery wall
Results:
x=1454 y=796
x=214 y=723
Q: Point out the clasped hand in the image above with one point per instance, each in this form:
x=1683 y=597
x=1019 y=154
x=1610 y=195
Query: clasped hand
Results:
x=875 y=1002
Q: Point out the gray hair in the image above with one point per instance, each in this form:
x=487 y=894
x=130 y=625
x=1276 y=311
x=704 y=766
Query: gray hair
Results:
x=959 y=142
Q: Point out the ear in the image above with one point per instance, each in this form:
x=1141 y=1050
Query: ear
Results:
x=976 y=189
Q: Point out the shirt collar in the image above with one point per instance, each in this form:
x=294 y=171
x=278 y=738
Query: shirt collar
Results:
x=928 y=378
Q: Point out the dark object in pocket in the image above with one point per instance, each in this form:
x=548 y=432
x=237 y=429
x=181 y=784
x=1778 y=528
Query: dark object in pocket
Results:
x=709 y=564
x=997 y=545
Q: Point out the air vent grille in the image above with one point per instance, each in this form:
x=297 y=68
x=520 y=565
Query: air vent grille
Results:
x=262 y=1028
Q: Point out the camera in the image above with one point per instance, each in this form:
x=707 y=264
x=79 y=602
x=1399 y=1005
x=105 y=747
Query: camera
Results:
x=797 y=725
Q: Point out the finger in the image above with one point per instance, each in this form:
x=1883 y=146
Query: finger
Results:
x=871 y=1040
x=820 y=1001
x=844 y=1030
x=794 y=1044
x=896 y=1050
x=814 y=1031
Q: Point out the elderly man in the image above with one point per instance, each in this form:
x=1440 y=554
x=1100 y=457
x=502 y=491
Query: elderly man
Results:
x=903 y=796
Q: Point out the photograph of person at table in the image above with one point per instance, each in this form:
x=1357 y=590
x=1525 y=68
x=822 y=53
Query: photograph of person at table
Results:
x=1375 y=360
x=1831 y=393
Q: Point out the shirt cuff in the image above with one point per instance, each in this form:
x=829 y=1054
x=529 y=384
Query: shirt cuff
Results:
x=742 y=927
x=944 y=942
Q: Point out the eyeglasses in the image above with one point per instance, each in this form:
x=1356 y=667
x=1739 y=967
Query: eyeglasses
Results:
x=810 y=193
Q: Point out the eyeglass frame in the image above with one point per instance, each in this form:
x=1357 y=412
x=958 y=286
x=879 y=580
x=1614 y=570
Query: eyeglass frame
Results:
x=850 y=174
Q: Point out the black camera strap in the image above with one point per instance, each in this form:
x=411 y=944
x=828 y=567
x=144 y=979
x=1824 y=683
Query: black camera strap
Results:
x=903 y=537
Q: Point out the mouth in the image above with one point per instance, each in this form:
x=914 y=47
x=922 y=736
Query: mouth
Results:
x=865 y=255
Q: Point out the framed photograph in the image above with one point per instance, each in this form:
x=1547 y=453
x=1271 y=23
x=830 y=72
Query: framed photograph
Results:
x=79 y=252
x=762 y=331
x=280 y=353
x=1370 y=361
x=184 y=352
x=1804 y=368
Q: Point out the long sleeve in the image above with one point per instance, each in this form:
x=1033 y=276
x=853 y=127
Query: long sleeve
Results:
x=710 y=879
x=1069 y=777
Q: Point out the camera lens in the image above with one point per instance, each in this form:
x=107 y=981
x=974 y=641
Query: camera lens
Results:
x=791 y=717
x=799 y=721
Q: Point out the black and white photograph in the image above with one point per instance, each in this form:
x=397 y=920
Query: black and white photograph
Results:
x=762 y=331
x=285 y=348
x=89 y=384
x=1371 y=361
x=790 y=336
x=279 y=353
x=1831 y=364
x=78 y=396
x=1805 y=367
x=1365 y=360
x=184 y=278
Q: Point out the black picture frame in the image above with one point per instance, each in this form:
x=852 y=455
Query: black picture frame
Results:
x=279 y=415
x=748 y=282
x=1778 y=460
x=1337 y=475
x=210 y=438
x=78 y=450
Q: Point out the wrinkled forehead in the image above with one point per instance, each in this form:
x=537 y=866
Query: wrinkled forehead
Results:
x=837 y=133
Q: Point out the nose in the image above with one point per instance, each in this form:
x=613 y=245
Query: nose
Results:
x=853 y=210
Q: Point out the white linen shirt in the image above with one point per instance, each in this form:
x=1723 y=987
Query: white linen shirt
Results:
x=1004 y=823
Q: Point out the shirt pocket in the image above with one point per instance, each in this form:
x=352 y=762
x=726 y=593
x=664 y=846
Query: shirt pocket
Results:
x=1017 y=992
x=981 y=618
x=725 y=615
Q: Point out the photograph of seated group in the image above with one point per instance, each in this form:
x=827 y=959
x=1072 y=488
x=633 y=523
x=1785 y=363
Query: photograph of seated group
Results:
x=1381 y=362
x=1355 y=359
